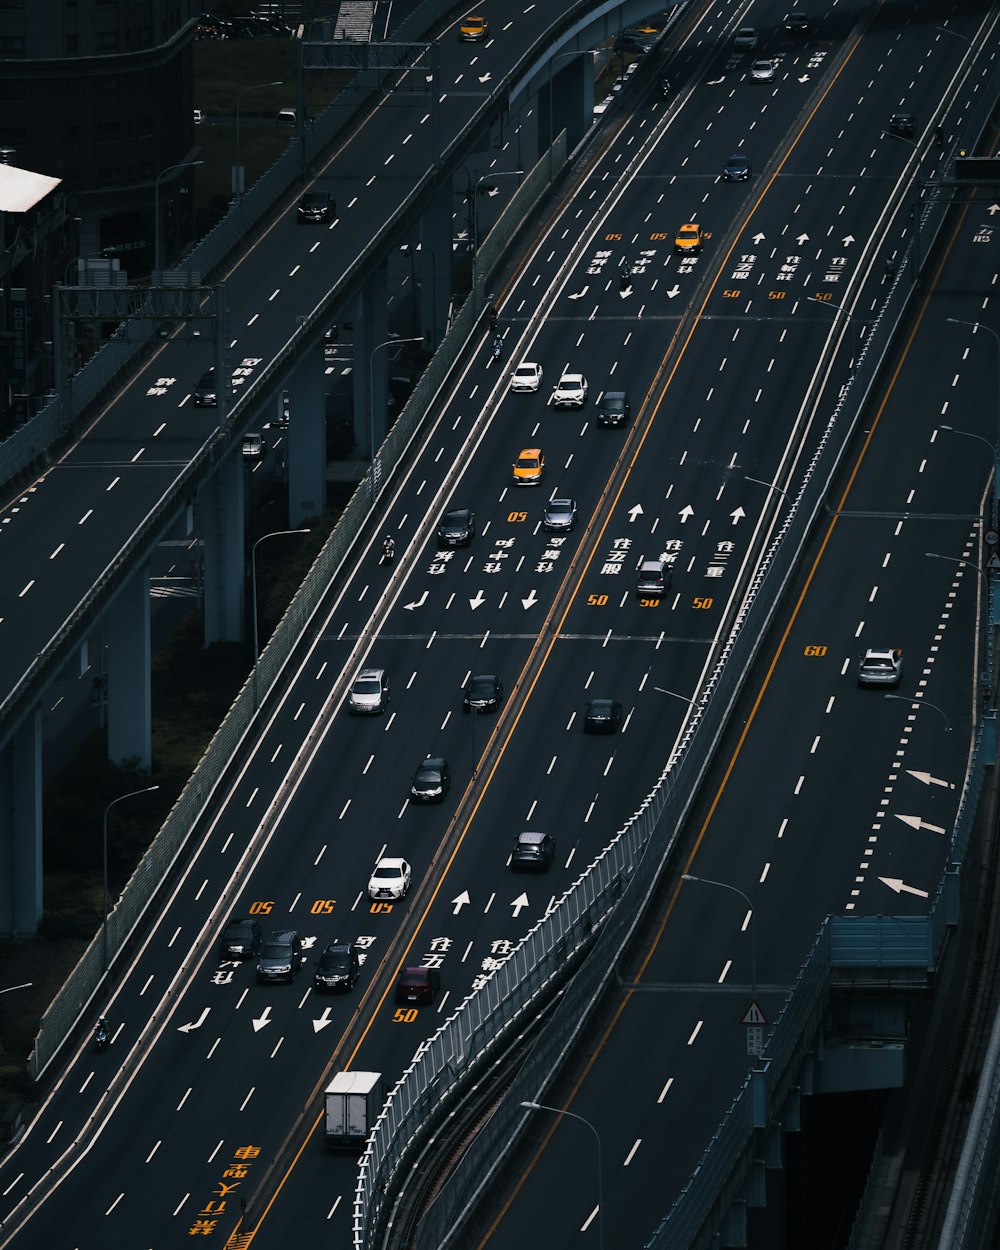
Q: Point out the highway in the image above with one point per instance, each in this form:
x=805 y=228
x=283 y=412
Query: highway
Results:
x=205 y=1105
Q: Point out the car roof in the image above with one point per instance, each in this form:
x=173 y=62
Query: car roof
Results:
x=490 y=677
x=531 y=838
x=529 y=364
x=282 y=935
x=433 y=761
x=880 y=653
x=462 y=512
x=529 y=451
x=372 y=672
x=388 y=863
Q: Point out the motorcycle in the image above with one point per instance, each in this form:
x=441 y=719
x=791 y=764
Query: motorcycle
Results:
x=664 y=88
x=388 y=551
x=497 y=346
x=102 y=1035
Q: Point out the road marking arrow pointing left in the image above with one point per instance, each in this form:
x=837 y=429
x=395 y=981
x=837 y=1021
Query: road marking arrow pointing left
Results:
x=894 y=883
x=916 y=823
x=930 y=780
x=194 y=1024
x=581 y=294
x=417 y=603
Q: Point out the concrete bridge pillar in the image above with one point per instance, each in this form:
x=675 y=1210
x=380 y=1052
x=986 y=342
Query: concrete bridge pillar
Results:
x=128 y=658
x=220 y=508
x=21 y=828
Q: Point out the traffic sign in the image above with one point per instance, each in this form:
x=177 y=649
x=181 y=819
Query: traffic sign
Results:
x=992 y=538
x=993 y=562
x=755 y=1041
x=753 y=1014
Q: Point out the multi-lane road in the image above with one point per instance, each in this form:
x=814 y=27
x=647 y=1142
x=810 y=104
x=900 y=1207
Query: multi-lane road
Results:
x=209 y=1094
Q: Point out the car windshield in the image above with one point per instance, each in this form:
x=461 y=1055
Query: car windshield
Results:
x=455 y=520
x=335 y=961
x=385 y=874
x=428 y=773
x=878 y=663
x=527 y=462
x=275 y=950
x=367 y=685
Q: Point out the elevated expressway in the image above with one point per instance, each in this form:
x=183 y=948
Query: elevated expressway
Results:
x=211 y=1093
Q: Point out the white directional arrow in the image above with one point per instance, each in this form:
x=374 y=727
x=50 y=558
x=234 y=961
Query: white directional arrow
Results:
x=258 y=1022
x=900 y=887
x=803 y=78
x=531 y=600
x=674 y=291
x=916 y=823
x=993 y=208
x=737 y=514
x=519 y=904
x=803 y=238
x=929 y=780
x=485 y=77
x=478 y=602
x=635 y=511
x=847 y=240
x=417 y=603
x=323 y=1021
x=713 y=82
x=194 y=1024
x=759 y=237
x=581 y=294
x=460 y=901
x=625 y=294
x=685 y=513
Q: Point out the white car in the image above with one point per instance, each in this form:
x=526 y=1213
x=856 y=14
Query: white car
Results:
x=762 y=70
x=526 y=377
x=881 y=666
x=390 y=879
x=570 y=391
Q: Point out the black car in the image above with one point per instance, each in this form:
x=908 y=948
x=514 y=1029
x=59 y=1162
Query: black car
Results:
x=280 y=957
x=241 y=939
x=903 y=124
x=737 y=169
x=559 y=516
x=614 y=408
x=457 y=528
x=797 y=24
x=204 y=392
x=337 y=968
x=533 y=852
x=483 y=693
x=317 y=206
x=431 y=781
x=604 y=716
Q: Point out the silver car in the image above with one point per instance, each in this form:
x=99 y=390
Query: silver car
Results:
x=880 y=666
x=369 y=693
x=762 y=70
x=560 y=516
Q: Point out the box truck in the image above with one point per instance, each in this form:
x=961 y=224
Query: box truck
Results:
x=353 y=1101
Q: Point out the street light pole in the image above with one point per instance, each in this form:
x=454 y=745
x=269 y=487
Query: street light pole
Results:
x=371 y=397
x=724 y=885
x=253 y=596
x=815 y=299
x=976 y=326
x=541 y=1106
x=156 y=207
x=902 y=698
x=121 y=799
x=238 y=168
x=674 y=695
x=759 y=481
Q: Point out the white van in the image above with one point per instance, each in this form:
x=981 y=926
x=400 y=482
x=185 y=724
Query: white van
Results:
x=286 y=117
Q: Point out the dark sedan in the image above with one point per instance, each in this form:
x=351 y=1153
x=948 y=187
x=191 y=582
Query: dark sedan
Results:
x=604 y=716
x=737 y=169
x=533 y=852
x=337 y=968
x=317 y=206
x=614 y=408
x=418 y=985
x=457 y=528
x=483 y=693
x=241 y=939
x=431 y=781
x=205 y=395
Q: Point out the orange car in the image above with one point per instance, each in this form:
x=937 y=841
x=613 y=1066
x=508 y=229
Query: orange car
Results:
x=529 y=467
x=474 y=29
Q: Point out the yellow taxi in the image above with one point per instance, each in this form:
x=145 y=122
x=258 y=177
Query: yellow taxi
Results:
x=689 y=239
x=529 y=467
x=473 y=29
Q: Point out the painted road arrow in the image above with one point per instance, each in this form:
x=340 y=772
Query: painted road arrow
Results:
x=916 y=823
x=674 y=291
x=802 y=238
x=323 y=1021
x=685 y=512
x=894 y=883
x=531 y=600
x=417 y=603
x=478 y=602
x=737 y=514
x=634 y=511
x=847 y=240
x=930 y=780
x=581 y=294
x=258 y=1022
x=460 y=901
x=519 y=904
x=195 y=1024
x=759 y=237
x=993 y=208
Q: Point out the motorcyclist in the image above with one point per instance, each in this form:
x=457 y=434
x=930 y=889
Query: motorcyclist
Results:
x=497 y=346
x=625 y=279
x=664 y=87
x=388 y=548
x=101 y=1032
x=494 y=316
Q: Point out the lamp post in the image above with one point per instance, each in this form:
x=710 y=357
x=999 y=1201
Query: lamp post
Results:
x=902 y=698
x=541 y=1106
x=501 y=173
x=934 y=555
x=759 y=481
x=238 y=168
x=121 y=799
x=977 y=326
x=751 y=917
x=558 y=56
x=253 y=596
x=156 y=207
x=674 y=695
x=23 y=986
x=815 y=299
x=371 y=397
